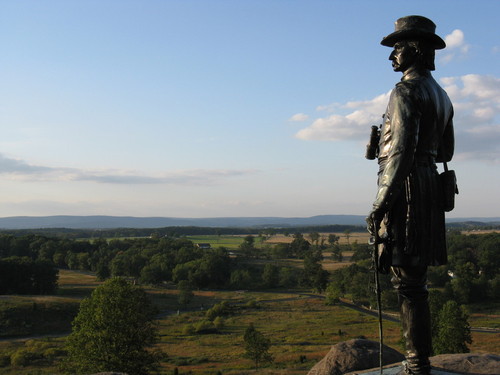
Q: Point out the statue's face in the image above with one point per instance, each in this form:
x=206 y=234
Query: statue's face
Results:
x=403 y=56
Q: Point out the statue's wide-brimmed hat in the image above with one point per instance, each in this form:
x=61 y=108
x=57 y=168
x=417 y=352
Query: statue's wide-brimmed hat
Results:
x=416 y=28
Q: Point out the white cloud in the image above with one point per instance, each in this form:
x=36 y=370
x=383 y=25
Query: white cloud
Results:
x=455 y=39
x=332 y=128
x=299 y=117
x=476 y=100
x=456 y=46
x=20 y=170
x=353 y=125
x=329 y=107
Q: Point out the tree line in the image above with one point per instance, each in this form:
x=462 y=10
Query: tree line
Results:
x=23 y=275
x=148 y=260
x=471 y=275
x=176 y=231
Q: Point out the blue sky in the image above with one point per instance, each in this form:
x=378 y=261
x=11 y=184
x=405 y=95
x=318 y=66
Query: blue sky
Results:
x=225 y=108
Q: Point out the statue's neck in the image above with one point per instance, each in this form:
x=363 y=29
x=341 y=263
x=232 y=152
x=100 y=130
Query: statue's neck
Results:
x=415 y=72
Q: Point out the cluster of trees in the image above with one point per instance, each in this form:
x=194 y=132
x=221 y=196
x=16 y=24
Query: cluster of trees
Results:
x=150 y=260
x=471 y=275
x=157 y=260
x=473 y=270
x=357 y=281
x=23 y=275
x=311 y=276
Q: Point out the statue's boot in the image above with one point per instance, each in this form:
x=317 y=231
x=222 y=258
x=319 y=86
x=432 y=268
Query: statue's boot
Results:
x=416 y=322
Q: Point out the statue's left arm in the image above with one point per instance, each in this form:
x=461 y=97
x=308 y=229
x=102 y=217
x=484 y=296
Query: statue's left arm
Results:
x=447 y=146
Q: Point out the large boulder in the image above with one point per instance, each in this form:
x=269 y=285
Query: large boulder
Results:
x=468 y=363
x=354 y=355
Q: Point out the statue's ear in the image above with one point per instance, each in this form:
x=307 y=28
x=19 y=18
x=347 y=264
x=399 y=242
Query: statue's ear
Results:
x=414 y=47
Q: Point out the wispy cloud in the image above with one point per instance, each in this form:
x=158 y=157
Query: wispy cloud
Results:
x=299 y=117
x=456 y=47
x=20 y=170
x=15 y=166
x=476 y=99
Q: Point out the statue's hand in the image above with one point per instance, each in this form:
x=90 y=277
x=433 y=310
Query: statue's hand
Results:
x=373 y=221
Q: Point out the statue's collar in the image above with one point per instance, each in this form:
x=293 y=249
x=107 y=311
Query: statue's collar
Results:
x=415 y=73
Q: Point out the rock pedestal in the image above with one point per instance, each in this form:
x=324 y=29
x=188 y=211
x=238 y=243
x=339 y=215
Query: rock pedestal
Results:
x=356 y=357
x=352 y=355
x=396 y=370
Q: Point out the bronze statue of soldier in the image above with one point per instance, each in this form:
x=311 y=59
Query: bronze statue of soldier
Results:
x=408 y=213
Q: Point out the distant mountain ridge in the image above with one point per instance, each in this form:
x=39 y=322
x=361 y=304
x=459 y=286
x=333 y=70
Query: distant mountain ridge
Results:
x=110 y=222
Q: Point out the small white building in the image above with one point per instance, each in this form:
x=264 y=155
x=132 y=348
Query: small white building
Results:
x=204 y=246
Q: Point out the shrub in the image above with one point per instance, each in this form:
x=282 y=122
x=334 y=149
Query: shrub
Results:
x=219 y=323
x=219 y=309
x=51 y=353
x=252 y=304
x=22 y=357
x=204 y=326
x=188 y=329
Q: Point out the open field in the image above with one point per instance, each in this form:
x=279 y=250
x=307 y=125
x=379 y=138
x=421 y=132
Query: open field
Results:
x=344 y=239
x=230 y=242
x=480 y=231
x=234 y=241
x=298 y=327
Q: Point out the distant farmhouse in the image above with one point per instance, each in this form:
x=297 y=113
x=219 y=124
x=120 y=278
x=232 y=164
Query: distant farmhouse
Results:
x=204 y=246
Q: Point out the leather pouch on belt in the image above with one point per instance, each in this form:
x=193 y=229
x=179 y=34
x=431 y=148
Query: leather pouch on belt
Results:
x=449 y=188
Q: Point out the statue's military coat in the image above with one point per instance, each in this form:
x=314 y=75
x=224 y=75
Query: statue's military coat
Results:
x=416 y=132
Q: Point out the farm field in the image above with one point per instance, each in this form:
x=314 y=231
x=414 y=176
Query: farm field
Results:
x=344 y=239
x=230 y=242
x=233 y=241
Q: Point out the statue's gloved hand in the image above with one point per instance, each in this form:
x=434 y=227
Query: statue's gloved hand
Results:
x=373 y=221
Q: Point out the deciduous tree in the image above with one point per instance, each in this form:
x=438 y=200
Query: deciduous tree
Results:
x=270 y=276
x=257 y=346
x=453 y=330
x=113 y=331
x=299 y=246
x=185 y=292
x=247 y=247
